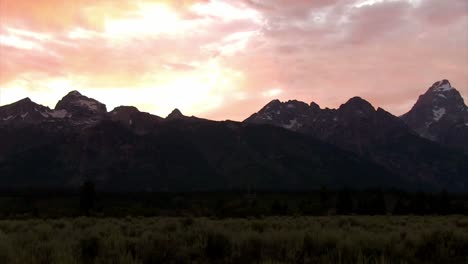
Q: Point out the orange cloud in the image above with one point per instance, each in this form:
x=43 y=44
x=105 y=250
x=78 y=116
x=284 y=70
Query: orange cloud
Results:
x=226 y=59
x=53 y=15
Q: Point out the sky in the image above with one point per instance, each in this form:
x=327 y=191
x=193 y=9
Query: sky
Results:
x=226 y=59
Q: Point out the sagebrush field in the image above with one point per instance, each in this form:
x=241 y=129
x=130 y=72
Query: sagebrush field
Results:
x=337 y=239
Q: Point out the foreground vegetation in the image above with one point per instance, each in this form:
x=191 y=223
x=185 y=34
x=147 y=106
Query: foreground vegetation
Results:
x=335 y=239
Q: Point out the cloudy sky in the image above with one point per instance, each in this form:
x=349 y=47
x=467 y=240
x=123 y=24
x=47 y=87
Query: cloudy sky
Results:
x=226 y=59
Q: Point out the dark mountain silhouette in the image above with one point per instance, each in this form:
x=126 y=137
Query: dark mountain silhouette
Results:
x=355 y=126
x=126 y=149
x=23 y=111
x=175 y=114
x=131 y=118
x=440 y=115
x=373 y=134
x=81 y=109
x=180 y=155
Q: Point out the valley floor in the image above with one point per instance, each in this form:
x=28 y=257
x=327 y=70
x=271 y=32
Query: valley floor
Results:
x=327 y=239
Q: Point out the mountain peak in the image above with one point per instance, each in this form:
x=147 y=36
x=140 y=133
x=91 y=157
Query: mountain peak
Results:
x=125 y=109
x=276 y=105
x=289 y=114
x=441 y=86
x=273 y=103
x=314 y=106
x=81 y=106
x=440 y=114
x=358 y=104
x=175 y=114
x=74 y=93
x=23 y=110
x=25 y=100
x=441 y=95
x=357 y=100
x=296 y=104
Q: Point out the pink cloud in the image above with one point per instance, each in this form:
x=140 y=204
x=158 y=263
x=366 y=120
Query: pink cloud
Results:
x=324 y=51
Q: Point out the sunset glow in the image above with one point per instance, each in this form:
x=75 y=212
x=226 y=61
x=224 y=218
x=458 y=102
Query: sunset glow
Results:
x=225 y=59
x=151 y=19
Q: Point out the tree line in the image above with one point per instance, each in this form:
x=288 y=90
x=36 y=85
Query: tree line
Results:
x=88 y=201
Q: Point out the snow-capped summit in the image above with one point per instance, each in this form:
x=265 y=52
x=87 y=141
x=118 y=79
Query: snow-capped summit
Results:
x=291 y=114
x=440 y=114
x=441 y=101
x=24 y=110
x=80 y=106
x=441 y=86
x=354 y=126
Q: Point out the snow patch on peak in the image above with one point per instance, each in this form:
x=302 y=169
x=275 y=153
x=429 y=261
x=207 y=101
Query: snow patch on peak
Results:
x=360 y=113
x=442 y=86
x=438 y=114
x=88 y=104
x=8 y=118
x=291 y=106
x=292 y=124
x=59 y=114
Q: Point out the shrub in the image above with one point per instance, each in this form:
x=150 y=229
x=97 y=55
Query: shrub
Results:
x=89 y=249
x=218 y=246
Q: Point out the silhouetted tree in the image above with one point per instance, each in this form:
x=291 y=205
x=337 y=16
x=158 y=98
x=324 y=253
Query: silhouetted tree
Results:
x=218 y=247
x=220 y=208
x=278 y=208
x=371 y=203
x=324 y=200
x=419 y=204
x=344 y=203
x=303 y=207
x=378 y=204
x=443 y=203
x=400 y=207
x=87 y=197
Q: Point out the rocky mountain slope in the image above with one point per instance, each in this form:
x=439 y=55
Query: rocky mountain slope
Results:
x=132 y=151
x=379 y=136
x=440 y=115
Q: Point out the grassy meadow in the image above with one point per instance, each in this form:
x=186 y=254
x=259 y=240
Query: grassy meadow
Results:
x=287 y=239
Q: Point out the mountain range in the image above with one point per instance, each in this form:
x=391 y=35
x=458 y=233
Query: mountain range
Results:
x=285 y=146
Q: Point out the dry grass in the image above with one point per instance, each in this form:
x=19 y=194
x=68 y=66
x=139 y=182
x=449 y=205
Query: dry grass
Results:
x=338 y=239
